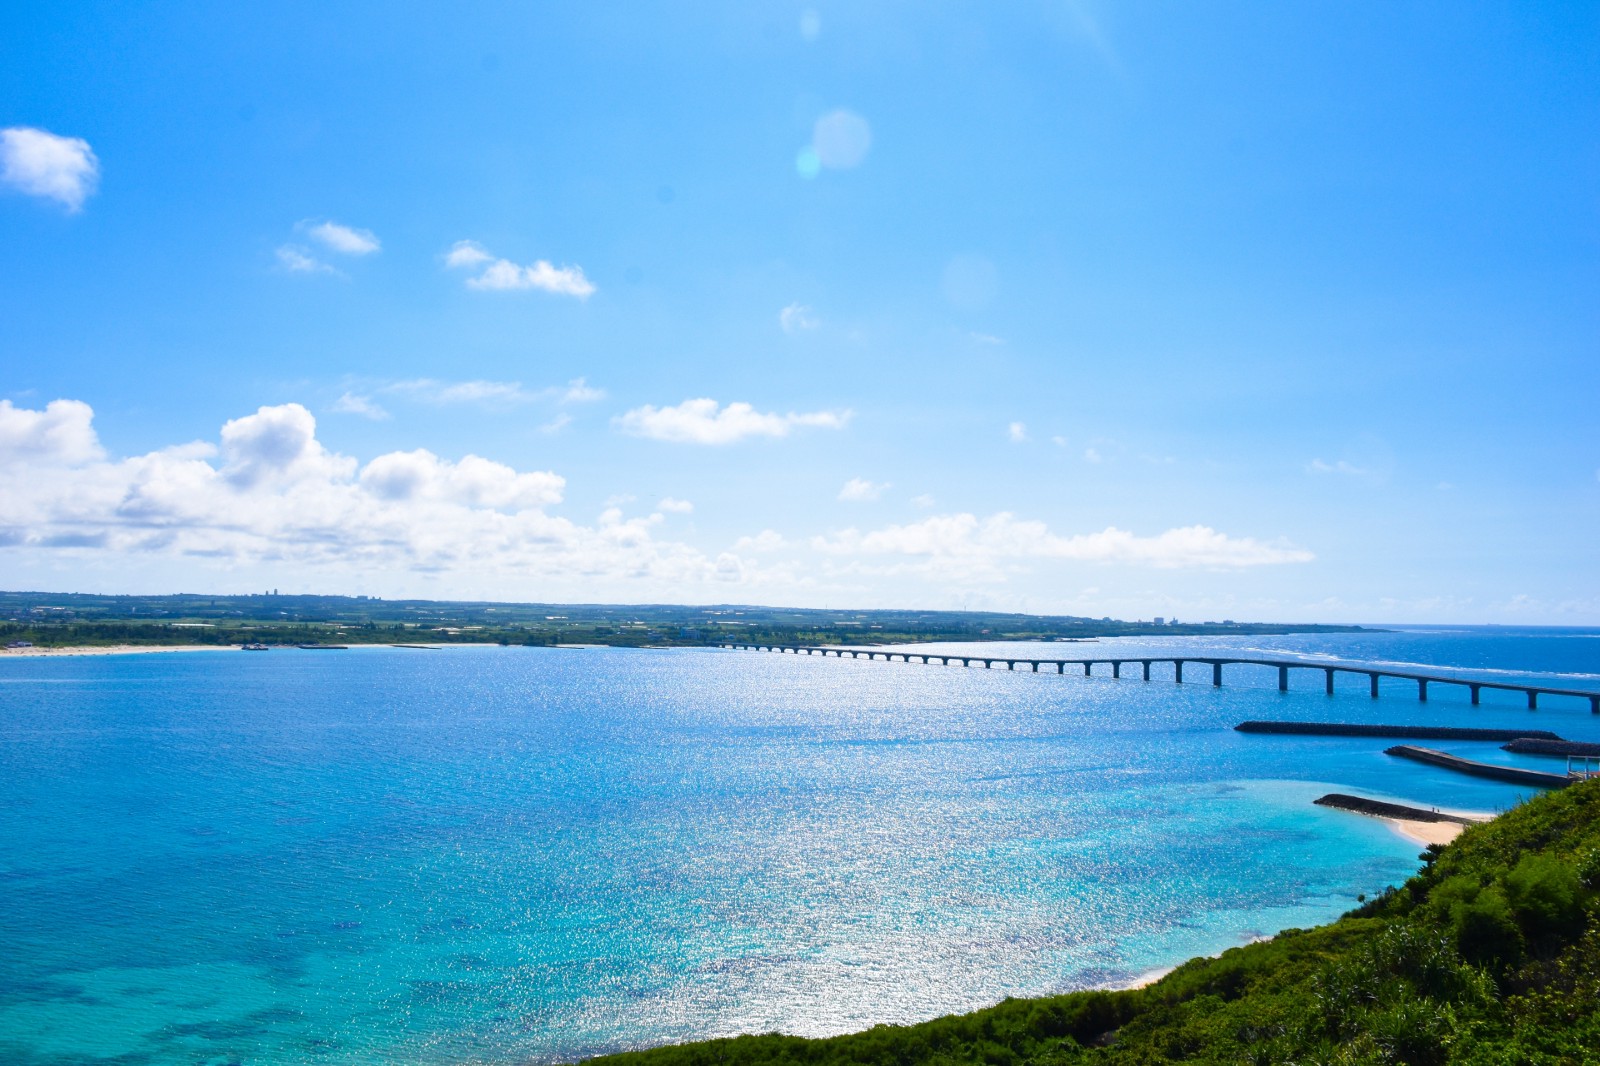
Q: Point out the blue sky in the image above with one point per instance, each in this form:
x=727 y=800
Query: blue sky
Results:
x=1199 y=310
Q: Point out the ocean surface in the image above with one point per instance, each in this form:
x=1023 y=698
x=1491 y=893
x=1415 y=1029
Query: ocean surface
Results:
x=512 y=855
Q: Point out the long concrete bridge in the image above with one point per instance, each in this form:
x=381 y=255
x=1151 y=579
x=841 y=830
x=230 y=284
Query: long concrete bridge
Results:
x=1283 y=666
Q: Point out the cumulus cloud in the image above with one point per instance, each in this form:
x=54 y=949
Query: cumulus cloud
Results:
x=923 y=501
x=493 y=273
x=345 y=240
x=268 y=492
x=861 y=490
x=40 y=163
x=967 y=539
x=704 y=421
x=797 y=317
x=675 y=506
x=62 y=433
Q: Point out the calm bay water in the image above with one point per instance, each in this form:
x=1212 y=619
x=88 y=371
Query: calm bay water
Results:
x=505 y=855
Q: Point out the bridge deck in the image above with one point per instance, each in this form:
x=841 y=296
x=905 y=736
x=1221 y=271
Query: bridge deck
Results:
x=1283 y=666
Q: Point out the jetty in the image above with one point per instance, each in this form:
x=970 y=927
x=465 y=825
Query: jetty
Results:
x=1178 y=662
x=1382 y=809
x=1529 y=744
x=1402 y=732
x=1514 y=774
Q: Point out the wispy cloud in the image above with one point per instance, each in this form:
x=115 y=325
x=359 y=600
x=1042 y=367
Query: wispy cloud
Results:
x=579 y=391
x=40 y=163
x=860 y=490
x=498 y=274
x=352 y=403
x=297 y=259
x=491 y=393
x=1318 y=466
x=1017 y=432
x=796 y=318
x=345 y=240
x=704 y=421
x=673 y=505
x=971 y=540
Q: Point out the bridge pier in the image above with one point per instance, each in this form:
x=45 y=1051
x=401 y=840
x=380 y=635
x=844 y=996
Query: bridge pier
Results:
x=1116 y=668
x=1011 y=664
x=1422 y=690
x=1088 y=669
x=1477 y=694
x=1216 y=675
x=1374 y=678
x=1533 y=700
x=1330 y=680
x=1178 y=668
x=1146 y=664
x=1036 y=667
x=1283 y=679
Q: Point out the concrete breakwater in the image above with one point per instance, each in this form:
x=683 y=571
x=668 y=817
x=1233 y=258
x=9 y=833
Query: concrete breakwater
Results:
x=1381 y=809
x=1397 y=732
x=1515 y=775
x=1530 y=745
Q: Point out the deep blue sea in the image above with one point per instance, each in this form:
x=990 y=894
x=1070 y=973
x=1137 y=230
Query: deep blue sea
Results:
x=511 y=855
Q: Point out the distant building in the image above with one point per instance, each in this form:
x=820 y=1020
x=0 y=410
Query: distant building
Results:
x=1160 y=621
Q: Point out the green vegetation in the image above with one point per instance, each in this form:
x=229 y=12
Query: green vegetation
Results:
x=1490 y=955
x=58 y=619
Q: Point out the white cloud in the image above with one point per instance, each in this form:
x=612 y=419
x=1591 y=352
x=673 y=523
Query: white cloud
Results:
x=861 y=490
x=466 y=254
x=472 y=482
x=1092 y=455
x=810 y=24
x=986 y=338
x=490 y=393
x=841 y=139
x=40 y=163
x=1317 y=466
x=768 y=540
x=1017 y=432
x=62 y=433
x=556 y=424
x=797 y=317
x=675 y=506
x=924 y=501
x=579 y=391
x=504 y=275
x=701 y=421
x=272 y=495
x=352 y=403
x=298 y=260
x=966 y=539
x=1059 y=442
x=343 y=239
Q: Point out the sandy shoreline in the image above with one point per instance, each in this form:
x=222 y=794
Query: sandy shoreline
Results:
x=114 y=649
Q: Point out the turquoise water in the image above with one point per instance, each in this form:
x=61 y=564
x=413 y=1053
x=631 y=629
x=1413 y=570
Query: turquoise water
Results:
x=507 y=855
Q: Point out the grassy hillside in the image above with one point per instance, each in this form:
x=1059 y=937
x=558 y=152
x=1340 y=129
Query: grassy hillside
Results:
x=1490 y=955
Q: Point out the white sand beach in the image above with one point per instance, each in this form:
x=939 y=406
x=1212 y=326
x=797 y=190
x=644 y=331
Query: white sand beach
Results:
x=115 y=649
